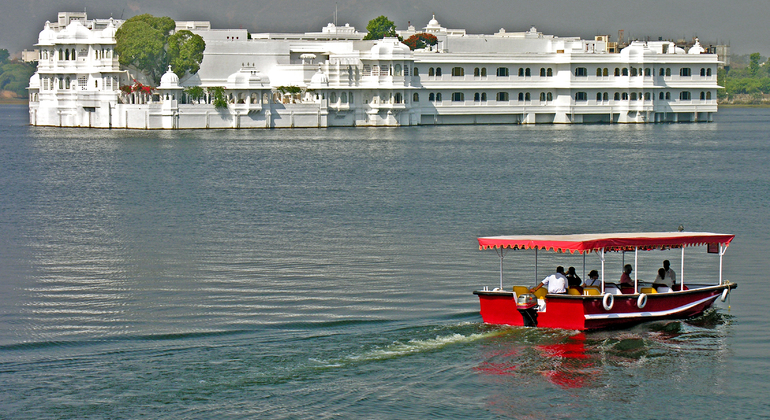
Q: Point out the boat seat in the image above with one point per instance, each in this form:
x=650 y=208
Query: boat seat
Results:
x=612 y=290
x=541 y=292
x=574 y=292
x=521 y=290
x=663 y=289
x=648 y=290
x=591 y=291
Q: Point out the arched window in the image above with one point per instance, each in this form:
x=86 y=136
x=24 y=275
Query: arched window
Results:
x=668 y=95
x=708 y=95
x=438 y=97
x=708 y=72
x=605 y=72
x=617 y=96
x=526 y=96
x=660 y=96
x=476 y=72
x=458 y=71
x=399 y=98
x=598 y=96
x=646 y=96
x=416 y=97
x=633 y=71
x=431 y=72
x=668 y=71
x=662 y=72
x=458 y=97
x=483 y=72
x=549 y=97
x=502 y=96
x=398 y=71
x=633 y=96
x=415 y=72
x=542 y=71
x=684 y=96
x=521 y=72
x=606 y=96
x=344 y=97
x=625 y=96
x=521 y=96
x=647 y=71
x=542 y=96
x=483 y=96
x=431 y=97
x=438 y=71
x=66 y=54
x=617 y=72
x=61 y=54
x=73 y=54
x=476 y=97
x=502 y=72
x=598 y=72
x=581 y=96
x=703 y=72
x=527 y=73
x=333 y=97
x=703 y=96
x=625 y=71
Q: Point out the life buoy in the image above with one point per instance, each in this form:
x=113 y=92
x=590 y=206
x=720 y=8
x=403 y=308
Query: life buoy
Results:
x=641 y=302
x=725 y=293
x=607 y=301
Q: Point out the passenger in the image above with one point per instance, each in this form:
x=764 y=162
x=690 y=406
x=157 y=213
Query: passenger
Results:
x=556 y=283
x=670 y=274
x=625 y=279
x=572 y=278
x=662 y=279
x=593 y=279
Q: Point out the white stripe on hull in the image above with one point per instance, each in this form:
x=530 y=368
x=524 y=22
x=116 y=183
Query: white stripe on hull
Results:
x=625 y=315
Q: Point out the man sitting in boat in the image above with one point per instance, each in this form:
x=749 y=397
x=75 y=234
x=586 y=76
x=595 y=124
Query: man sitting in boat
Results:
x=662 y=283
x=556 y=282
x=670 y=274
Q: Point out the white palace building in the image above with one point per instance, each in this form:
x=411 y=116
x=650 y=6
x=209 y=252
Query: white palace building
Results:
x=335 y=78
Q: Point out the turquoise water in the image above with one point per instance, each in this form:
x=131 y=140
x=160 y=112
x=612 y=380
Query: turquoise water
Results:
x=329 y=273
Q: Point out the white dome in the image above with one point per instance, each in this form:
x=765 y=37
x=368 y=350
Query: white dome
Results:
x=75 y=30
x=169 y=80
x=390 y=48
x=245 y=78
x=47 y=35
x=636 y=50
x=697 y=48
x=109 y=31
x=319 y=79
x=34 y=81
x=433 y=23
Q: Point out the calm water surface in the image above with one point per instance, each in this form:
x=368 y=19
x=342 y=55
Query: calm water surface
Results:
x=329 y=273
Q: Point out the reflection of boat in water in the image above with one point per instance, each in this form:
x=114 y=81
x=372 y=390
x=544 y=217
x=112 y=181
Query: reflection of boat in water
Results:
x=602 y=306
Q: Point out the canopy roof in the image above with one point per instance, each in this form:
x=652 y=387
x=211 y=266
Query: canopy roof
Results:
x=606 y=241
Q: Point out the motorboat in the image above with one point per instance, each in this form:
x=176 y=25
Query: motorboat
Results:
x=605 y=305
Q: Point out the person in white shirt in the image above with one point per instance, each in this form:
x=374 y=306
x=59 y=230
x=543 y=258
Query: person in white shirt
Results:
x=670 y=274
x=556 y=283
x=593 y=279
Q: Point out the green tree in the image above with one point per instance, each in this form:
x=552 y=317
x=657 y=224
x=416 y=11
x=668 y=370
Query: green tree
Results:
x=380 y=27
x=145 y=42
x=4 y=54
x=14 y=76
x=753 y=64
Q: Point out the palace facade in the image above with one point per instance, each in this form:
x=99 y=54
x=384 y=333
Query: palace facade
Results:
x=335 y=78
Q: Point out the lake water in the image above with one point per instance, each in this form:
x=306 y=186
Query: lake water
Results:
x=329 y=273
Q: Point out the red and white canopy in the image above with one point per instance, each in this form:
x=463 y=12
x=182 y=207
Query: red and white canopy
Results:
x=606 y=241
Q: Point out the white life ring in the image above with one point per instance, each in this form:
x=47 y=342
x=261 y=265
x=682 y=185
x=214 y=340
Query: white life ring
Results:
x=641 y=302
x=725 y=293
x=607 y=301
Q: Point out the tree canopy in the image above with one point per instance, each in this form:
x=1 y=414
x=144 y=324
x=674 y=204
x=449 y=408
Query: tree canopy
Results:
x=421 y=40
x=14 y=76
x=145 y=42
x=379 y=28
x=4 y=55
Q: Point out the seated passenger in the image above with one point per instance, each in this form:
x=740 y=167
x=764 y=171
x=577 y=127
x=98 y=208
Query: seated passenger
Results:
x=572 y=278
x=593 y=279
x=662 y=279
x=556 y=283
x=625 y=279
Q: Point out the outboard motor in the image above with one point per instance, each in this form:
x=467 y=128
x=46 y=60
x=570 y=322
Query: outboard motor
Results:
x=526 y=304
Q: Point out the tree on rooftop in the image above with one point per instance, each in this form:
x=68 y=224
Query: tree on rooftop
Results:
x=145 y=42
x=421 y=40
x=379 y=28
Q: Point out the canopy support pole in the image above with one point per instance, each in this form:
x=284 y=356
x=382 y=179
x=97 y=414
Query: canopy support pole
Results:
x=584 y=265
x=681 y=273
x=501 y=254
x=636 y=273
x=536 y=282
x=722 y=250
x=602 y=270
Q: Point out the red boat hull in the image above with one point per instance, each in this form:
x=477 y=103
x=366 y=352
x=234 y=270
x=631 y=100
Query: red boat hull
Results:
x=588 y=312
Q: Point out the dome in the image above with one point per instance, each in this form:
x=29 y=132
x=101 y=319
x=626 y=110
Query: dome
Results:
x=390 y=48
x=245 y=78
x=635 y=50
x=75 y=30
x=47 y=35
x=109 y=31
x=169 y=80
x=34 y=81
x=319 y=79
x=697 y=48
x=433 y=23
